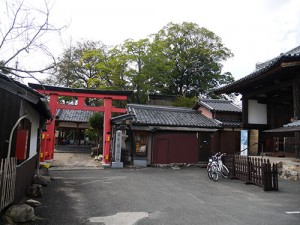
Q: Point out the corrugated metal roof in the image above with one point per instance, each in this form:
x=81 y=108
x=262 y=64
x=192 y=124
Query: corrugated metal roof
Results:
x=68 y=115
x=220 y=105
x=168 y=116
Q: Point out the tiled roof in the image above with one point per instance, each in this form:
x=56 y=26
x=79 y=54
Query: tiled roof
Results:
x=293 y=124
x=261 y=68
x=68 y=115
x=293 y=52
x=230 y=123
x=169 y=116
x=219 y=105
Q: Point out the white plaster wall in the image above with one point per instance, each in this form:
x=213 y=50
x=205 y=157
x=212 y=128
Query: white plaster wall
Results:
x=257 y=113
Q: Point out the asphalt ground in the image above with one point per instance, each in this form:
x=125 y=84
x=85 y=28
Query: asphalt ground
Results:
x=162 y=196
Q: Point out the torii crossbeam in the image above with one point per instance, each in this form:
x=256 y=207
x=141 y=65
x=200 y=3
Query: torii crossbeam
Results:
x=54 y=92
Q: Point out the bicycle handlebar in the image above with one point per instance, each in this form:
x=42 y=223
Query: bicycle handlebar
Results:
x=218 y=155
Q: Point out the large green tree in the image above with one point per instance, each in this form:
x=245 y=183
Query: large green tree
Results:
x=111 y=69
x=148 y=67
x=76 y=68
x=197 y=55
x=181 y=59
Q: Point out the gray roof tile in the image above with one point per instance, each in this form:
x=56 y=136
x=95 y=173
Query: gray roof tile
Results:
x=68 y=115
x=169 y=116
x=293 y=124
x=219 y=105
x=230 y=123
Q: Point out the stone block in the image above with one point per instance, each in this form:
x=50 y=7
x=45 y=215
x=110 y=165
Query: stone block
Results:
x=117 y=165
x=139 y=162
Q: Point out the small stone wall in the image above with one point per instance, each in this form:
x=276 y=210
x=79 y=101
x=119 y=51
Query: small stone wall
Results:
x=289 y=170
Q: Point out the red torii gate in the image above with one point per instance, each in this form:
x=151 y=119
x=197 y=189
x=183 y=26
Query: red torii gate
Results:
x=48 y=137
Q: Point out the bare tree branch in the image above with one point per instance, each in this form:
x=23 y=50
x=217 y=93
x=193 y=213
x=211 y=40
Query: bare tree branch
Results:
x=24 y=33
x=12 y=25
x=13 y=70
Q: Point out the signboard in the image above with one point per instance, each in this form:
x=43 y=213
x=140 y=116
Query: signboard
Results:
x=118 y=146
x=118 y=142
x=244 y=142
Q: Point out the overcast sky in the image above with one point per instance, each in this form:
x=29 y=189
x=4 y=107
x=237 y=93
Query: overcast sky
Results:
x=254 y=30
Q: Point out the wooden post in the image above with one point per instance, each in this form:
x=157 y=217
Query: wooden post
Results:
x=296 y=100
x=245 y=111
x=50 y=134
x=296 y=97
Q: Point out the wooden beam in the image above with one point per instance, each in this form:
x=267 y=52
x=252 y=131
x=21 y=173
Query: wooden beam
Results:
x=86 y=95
x=290 y=64
x=264 y=89
x=296 y=97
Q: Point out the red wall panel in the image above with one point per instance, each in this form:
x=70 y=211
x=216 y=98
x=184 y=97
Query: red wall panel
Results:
x=21 y=146
x=175 y=147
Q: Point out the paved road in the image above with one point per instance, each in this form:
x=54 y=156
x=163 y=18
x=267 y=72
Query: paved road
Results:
x=163 y=197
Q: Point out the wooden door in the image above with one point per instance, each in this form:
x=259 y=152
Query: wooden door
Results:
x=204 y=146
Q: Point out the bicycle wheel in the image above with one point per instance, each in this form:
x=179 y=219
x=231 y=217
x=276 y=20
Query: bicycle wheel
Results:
x=213 y=173
x=225 y=172
x=208 y=168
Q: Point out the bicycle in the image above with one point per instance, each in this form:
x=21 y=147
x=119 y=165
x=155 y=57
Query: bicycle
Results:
x=211 y=161
x=216 y=167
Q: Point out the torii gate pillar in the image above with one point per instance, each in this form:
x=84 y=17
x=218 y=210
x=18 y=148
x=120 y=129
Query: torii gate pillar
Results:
x=107 y=129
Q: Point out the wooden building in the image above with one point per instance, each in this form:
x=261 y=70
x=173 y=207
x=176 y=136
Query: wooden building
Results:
x=163 y=134
x=71 y=125
x=229 y=115
x=271 y=99
x=23 y=115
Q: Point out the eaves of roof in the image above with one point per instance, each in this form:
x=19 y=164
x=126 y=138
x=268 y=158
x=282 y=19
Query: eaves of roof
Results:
x=37 y=100
x=121 y=118
x=283 y=129
x=168 y=128
x=282 y=61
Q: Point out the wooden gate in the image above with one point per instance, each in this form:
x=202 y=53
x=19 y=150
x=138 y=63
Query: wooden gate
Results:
x=254 y=170
x=7 y=181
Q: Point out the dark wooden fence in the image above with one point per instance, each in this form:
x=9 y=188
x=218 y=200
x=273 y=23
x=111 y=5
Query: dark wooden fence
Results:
x=24 y=177
x=253 y=170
